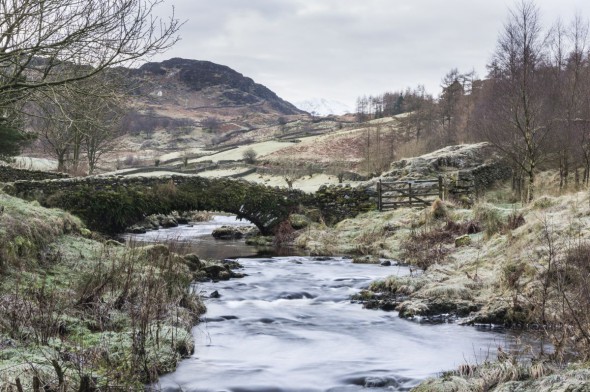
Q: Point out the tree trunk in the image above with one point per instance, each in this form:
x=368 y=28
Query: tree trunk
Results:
x=86 y=384
x=531 y=185
x=61 y=162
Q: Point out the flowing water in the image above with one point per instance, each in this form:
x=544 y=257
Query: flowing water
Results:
x=196 y=238
x=290 y=326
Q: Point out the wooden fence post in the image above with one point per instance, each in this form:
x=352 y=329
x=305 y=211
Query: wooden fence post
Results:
x=379 y=199
x=410 y=193
x=441 y=193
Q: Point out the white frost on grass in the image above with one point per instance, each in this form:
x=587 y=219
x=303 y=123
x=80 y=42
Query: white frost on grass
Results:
x=223 y=172
x=162 y=173
x=30 y=163
x=306 y=184
x=186 y=152
x=237 y=154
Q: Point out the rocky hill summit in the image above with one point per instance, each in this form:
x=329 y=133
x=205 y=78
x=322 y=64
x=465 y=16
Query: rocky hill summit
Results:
x=218 y=85
x=181 y=105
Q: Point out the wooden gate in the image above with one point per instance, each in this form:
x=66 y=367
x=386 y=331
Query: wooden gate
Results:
x=418 y=193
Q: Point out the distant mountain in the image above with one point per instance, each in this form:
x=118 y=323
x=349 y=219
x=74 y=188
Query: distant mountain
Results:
x=206 y=84
x=323 y=107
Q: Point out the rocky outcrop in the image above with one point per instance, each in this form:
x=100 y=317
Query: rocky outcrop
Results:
x=477 y=165
x=215 y=270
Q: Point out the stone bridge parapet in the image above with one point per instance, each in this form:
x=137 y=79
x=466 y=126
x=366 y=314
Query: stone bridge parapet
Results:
x=112 y=203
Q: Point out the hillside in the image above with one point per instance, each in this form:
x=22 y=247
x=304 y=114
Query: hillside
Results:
x=194 y=85
x=181 y=104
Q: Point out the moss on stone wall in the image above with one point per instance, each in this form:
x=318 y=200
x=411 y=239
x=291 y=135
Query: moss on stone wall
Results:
x=11 y=174
x=337 y=203
x=110 y=204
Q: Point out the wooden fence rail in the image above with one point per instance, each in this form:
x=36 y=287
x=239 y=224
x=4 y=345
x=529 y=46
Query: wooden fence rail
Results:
x=418 y=193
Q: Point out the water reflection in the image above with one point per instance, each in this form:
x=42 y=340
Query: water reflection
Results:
x=196 y=238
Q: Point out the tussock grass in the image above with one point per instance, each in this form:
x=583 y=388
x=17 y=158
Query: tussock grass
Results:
x=26 y=229
x=404 y=285
x=71 y=307
x=501 y=375
x=447 y=291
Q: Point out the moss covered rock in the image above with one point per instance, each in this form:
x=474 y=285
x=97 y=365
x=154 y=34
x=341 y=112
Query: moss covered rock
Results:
x=464 y=240
x=299 y=221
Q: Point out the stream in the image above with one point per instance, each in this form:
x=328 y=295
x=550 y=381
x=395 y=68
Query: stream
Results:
x=290 y=326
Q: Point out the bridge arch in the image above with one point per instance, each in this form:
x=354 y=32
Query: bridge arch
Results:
x=109 y=204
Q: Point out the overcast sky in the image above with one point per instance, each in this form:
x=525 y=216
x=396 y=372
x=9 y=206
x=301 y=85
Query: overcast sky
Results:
x=340 y=49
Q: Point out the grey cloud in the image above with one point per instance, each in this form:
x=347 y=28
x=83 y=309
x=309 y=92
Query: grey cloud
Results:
x=340 y=49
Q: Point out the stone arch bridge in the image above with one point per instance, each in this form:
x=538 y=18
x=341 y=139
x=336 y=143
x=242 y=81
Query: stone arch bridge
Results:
x=109 y=204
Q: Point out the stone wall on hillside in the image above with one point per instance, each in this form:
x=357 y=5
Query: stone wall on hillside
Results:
x=11 y=174
x=486 y=175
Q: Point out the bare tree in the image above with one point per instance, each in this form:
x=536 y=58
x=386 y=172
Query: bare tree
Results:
x=564 y=77
x=577 y=94
x=212 y=124
x=250 y=155
x=99 y=115
x=517 y=120
x=37 y=38
x=79 y=119
x=50 y=119
x=449 y=105
x=422 y=119
x=362 y=108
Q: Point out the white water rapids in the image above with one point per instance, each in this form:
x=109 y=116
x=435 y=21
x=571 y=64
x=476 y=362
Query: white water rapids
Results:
x=290 y=326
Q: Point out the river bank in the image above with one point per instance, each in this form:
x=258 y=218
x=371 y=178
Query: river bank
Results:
x=79 y=312
x=522 y=267
x=495 y=263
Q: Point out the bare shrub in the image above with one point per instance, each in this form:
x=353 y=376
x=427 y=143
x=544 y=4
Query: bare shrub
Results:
x=285 y=234
x=138 y=300
x=572 y=285
x=249 y=156
x=413 y=148
x=490 y=219
x=438 y=210
x=129 y=160
x=427 y=247
x=515 y=221
x=212 y=124
x=369 y=240
x=462 y=228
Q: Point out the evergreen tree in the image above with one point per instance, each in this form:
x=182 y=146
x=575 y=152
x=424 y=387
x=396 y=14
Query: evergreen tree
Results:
x=12 y=139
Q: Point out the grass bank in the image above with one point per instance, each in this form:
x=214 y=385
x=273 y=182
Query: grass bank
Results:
x=521 y=266
x=78 y=312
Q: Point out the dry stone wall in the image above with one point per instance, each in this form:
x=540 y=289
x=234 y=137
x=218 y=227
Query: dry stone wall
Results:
x=11 y=174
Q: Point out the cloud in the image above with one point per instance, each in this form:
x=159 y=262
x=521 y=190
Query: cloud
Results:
x=340 y=49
